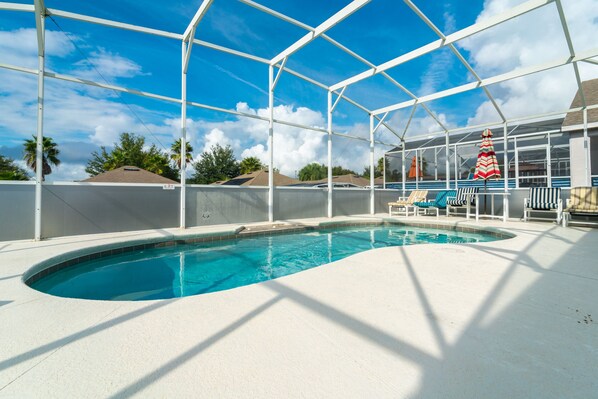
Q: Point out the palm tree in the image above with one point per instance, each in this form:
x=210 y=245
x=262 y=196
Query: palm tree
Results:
x=49 y=155
x=250 y=164
x=175 y=154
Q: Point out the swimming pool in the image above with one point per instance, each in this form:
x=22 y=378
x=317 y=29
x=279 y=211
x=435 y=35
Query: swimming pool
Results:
x=192 y=269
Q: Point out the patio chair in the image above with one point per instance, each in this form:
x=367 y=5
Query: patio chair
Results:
x=435 y=205
x=459 y=201
x=583 y=202
x=405 y=203
x=543 y=199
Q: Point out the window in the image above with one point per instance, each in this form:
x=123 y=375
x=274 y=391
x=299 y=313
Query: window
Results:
x=467 y=156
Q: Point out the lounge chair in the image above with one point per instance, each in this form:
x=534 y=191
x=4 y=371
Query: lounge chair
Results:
x=583 y=202
x=438 y=203
x=459 y=201
x=404 y=203
x=543 y=199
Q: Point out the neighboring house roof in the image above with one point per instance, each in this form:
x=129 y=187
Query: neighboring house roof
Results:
x=129 y=174
x=351 y=179
x=260 y=178
x=590 y=91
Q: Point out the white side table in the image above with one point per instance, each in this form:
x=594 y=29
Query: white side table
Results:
x=505 y=206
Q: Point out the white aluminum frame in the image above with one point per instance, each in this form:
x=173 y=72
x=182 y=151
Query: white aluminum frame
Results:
x=188 y=39
x=40 y=28
x=546 y=148
x=507 y=135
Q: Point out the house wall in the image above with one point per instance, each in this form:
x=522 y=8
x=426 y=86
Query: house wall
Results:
x=578 y=160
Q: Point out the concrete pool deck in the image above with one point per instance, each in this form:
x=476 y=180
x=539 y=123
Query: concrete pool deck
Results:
x=515 y=318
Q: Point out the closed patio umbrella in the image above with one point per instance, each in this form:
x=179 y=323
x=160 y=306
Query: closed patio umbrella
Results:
x=486 y=166
x=414 y=171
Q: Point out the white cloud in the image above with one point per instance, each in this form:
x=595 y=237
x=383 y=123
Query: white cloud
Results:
x=217 y=136
x=293 y=147
x=258 y=151
x=68 y=172
x=19 y=47
x=76 y=113
x=108 y=64
x=427 y=124
x=421 y=123
x=292 y=150
x=441 y=63
x=109 y=125
x=73 y=113
x=531 y=40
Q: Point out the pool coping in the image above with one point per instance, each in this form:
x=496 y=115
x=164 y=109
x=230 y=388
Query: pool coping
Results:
x=71 y=258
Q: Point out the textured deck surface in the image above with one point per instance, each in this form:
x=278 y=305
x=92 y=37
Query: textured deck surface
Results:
x=515 y=318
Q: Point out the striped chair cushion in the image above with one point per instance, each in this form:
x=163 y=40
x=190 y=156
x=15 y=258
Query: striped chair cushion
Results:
x=584 y=200
x=414 y=196
x=461 y=199
x=544 y=198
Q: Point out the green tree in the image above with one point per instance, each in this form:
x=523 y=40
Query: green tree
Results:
x=251 y=164
x=339 y=171
x=313 y=171
x=393 y=176
x=175 y=153
x=378 y=169
x=380 y=166
x=11 y=171
x=218 y=163
x=50 y=154
x=131 y=151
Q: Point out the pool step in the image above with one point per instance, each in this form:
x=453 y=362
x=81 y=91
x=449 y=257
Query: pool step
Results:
x=268 y=228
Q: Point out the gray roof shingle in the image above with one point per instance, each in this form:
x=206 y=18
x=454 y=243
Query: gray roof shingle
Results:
x=590 y=90
x=129 y=174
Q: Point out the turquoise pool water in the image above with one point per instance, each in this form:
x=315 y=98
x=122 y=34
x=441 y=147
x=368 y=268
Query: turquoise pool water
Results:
x=185 y=270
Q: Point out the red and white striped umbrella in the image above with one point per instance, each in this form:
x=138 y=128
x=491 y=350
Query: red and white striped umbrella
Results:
x=486 y=166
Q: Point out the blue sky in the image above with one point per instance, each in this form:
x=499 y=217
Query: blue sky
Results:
x=82 y=118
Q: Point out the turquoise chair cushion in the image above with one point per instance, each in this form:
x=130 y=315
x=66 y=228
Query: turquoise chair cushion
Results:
x=439 y=201
x=441 y=198
x=424 y=204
